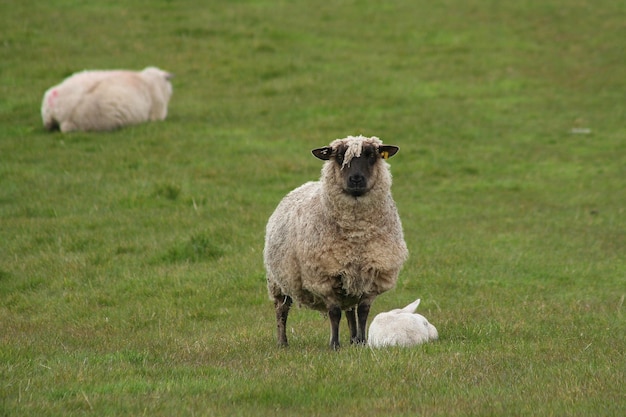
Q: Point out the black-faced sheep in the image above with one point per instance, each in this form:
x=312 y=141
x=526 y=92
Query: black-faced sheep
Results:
x=337 y=243
x=106 y=100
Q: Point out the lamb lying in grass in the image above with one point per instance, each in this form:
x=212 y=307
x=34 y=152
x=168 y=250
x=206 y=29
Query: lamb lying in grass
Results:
x=106 y=100
x=401 y=327
x=337 y=243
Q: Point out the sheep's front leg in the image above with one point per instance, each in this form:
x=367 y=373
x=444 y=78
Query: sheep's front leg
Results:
x=334 y=314
x=282 y=305
x=363 y=310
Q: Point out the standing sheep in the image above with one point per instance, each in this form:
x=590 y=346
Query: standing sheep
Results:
x=107 y=100
x=337 y=243
x=401 y=327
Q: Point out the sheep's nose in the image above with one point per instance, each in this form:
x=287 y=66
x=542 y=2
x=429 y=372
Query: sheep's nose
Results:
x=357 y=180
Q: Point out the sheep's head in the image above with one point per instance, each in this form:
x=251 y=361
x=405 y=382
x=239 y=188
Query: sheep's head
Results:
x=159 y=79
x=356 y=159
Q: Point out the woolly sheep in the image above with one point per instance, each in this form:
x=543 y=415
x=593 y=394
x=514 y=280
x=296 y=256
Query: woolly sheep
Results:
x=106 y=100
x=337 y=243
x=401 y=327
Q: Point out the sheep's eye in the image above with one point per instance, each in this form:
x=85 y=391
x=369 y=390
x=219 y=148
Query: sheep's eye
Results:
x=339 y=157
x=370 y=155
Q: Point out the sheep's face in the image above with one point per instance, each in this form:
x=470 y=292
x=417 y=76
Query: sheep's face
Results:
x=356 y=164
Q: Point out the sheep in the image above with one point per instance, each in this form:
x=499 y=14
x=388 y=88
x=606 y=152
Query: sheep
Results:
x=401 y=327
x=106 y=100
x=335 y=244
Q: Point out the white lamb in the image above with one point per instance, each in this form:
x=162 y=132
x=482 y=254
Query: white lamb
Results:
x=107 y=100
x=401 y=327
x=337 y=243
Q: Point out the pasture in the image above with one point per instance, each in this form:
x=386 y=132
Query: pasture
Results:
x=131 y=273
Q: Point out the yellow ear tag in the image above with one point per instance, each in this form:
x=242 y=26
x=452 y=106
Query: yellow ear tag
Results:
x=385 y=154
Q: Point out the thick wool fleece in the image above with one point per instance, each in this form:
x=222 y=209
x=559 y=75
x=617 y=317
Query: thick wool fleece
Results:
x=106 y=100
x=326 y=248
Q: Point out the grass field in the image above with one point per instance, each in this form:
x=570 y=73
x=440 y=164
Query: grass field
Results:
x=131 y=274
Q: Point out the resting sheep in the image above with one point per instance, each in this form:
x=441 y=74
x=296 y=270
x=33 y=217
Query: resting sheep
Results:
x=106 y=100
x=337 y=243
x=401 y=327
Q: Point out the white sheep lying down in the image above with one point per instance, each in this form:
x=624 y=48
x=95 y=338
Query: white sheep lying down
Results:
x=107 y=100
x=335 y=244
x=401 y=327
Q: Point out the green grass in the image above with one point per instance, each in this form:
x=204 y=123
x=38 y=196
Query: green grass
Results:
x=131 y=276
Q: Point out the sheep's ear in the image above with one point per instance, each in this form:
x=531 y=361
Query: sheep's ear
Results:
x=323 y=153
x=387 y=151
x=169 y=76
x=411 y=307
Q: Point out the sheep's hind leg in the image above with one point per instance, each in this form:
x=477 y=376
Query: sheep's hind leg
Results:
x=363 y=310
x=334 y=314
x=282 y=305
x=351 y=317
